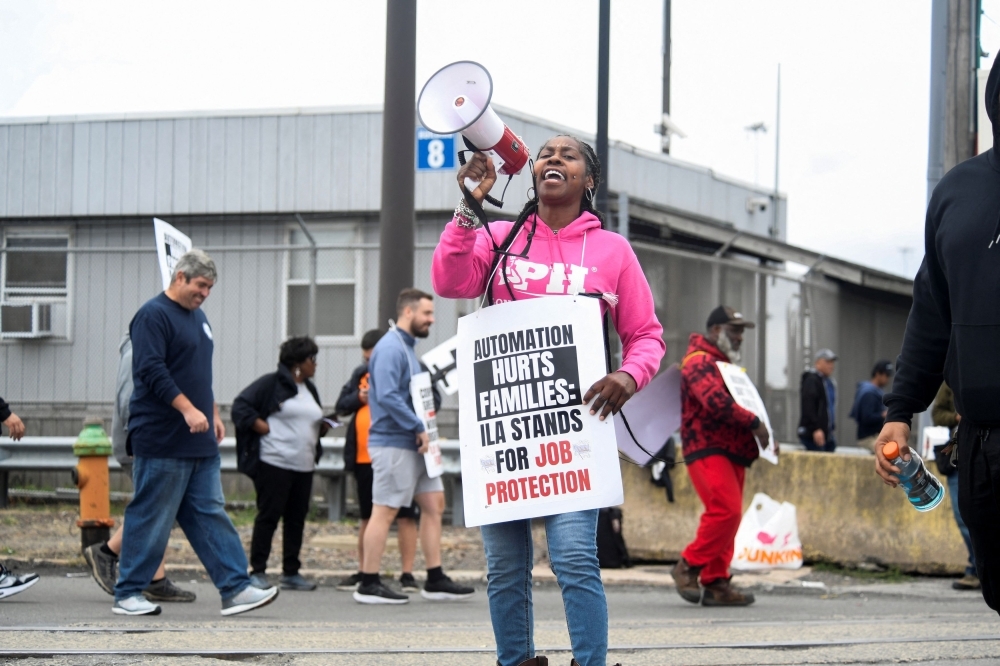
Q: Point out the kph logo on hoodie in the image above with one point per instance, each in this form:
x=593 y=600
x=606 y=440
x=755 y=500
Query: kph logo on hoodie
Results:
x=533 y=278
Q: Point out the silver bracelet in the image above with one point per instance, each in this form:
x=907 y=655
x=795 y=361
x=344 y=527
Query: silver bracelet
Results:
x=465 y=216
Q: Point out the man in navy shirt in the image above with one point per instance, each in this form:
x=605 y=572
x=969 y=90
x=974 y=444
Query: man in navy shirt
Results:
x=868 y=410
x=174 y=432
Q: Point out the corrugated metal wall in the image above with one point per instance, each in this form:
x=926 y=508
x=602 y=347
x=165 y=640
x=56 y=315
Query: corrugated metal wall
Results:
x=246 y=309
x=294 y=162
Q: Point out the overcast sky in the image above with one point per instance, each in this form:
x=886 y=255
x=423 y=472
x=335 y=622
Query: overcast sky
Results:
x=854 y=81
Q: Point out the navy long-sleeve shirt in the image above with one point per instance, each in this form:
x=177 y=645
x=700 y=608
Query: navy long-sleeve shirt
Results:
x=171 y=354
x=393 y=362
x=868 y=410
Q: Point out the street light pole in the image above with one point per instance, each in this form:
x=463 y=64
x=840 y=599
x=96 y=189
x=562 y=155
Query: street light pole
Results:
x=398 y=136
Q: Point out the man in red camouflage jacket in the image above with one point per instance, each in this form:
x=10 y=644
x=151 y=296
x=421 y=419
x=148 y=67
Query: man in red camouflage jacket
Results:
x=718 y=445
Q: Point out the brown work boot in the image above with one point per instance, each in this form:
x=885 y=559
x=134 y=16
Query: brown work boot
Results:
x=967 y=582
x=686 y=579
x=534 y=661
x=721 y=593
x=574 y=662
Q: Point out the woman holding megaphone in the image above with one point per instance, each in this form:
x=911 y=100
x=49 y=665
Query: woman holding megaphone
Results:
x=558 y=231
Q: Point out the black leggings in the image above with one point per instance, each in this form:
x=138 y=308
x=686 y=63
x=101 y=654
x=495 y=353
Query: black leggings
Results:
x=281 y=495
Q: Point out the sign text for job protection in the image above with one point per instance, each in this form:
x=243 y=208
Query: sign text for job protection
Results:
x=528 y=395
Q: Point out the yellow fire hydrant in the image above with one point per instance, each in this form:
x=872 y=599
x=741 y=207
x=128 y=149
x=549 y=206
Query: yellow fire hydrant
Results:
x=91 y=475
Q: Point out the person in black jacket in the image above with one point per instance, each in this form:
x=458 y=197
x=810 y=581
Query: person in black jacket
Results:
x=953 y=333
x=278 y=423
x=353 y=401
x=818 y=399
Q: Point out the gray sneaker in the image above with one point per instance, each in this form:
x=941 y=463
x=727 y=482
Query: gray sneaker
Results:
x=409 y=583
x=259 y=580
x=137 y=605
x=165 y=590
x=297 y=582
x=103 y=567
x=250 y=598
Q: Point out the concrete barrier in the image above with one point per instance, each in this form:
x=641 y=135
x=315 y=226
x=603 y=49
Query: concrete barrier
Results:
x=846 y=514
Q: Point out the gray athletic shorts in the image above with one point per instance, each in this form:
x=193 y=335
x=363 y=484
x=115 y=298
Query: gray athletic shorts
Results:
x=399 y=474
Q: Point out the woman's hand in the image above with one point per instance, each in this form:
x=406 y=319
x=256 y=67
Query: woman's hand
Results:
x=260 y=427
x=478 y=168
x=612 y=392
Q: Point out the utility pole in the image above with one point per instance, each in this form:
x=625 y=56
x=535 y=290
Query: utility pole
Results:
x=398 y=138
x=603 y=57
x=954 y=64
x=773 y=231
x=665 y=143
x=666 y=127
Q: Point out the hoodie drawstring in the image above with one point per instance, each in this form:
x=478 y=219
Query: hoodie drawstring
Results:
x=995 y=238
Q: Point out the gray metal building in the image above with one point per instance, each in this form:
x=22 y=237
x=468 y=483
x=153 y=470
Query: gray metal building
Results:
x=77 y=195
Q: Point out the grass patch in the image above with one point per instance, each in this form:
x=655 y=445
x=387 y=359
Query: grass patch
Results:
x=242 y=517
x=888 y=575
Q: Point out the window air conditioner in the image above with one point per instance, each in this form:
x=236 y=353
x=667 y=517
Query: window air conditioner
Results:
x=26 y=320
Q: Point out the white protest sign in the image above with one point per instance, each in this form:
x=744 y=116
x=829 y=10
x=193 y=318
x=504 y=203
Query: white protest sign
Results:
x=529 y=445
x=423 y=404
x=170 y=246
x=653 y=414
x=746 y=396
x=442 y=365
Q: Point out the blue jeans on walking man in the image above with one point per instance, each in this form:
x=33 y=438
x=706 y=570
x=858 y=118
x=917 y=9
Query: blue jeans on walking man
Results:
x=970 y=568
x=190 y=491
x=572 y=543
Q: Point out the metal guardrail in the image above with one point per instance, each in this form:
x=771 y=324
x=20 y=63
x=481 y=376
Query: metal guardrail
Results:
x=56 y=454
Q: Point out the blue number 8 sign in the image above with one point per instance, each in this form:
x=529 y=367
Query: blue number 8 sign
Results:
x=435 y=151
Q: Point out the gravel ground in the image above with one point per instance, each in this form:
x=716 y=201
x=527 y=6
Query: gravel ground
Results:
x=39 y=534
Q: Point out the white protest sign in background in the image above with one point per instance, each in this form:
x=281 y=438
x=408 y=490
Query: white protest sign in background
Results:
x=423 y=404
x=529 y=445
x=654 y=414
x=746 y=396
x=170 y=247
x=443 y=365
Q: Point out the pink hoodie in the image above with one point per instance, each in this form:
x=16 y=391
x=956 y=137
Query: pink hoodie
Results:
x=581 y=258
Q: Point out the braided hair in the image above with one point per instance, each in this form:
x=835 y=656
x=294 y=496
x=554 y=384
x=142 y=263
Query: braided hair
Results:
x=593 y=166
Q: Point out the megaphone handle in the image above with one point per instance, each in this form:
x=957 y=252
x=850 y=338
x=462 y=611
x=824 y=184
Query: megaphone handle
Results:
x=471 y=185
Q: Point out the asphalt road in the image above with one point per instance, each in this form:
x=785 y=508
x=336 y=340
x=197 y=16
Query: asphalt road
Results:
x=69 y=621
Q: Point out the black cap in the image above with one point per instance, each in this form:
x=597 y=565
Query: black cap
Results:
x=726 y=315
x=884 y=368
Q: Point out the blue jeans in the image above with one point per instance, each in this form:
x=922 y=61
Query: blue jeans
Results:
x=970 y=569
x=572 y=542
x=188 y=490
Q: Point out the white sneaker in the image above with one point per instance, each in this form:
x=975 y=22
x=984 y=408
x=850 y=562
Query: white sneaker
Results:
x=11 y=584
x=137 y=605
x=251 y=597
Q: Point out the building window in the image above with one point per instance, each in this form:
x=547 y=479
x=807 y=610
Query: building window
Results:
x=34 y=290
x=336 y=282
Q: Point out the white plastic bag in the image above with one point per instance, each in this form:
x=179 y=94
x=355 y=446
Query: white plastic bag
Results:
x=768 y=537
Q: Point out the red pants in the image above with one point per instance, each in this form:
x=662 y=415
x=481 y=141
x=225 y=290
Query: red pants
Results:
x=719 y=483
